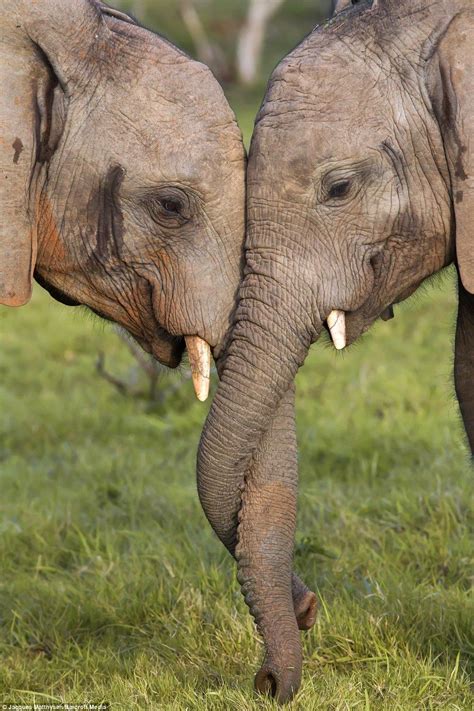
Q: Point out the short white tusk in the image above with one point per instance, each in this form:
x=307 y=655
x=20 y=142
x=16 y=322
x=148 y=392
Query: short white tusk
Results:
x=199 y=353
x=337 y=327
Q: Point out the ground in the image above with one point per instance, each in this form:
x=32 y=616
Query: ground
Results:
x=113 y=587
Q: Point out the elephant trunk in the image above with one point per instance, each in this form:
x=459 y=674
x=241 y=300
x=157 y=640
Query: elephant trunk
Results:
x=253 y=512
x=264 y=552
x=270 y=341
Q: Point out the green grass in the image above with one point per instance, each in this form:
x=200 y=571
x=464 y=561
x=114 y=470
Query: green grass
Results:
x=112 y=586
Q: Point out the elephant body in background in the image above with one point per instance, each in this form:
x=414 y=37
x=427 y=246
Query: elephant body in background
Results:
x=123 y=175
x=360 y=186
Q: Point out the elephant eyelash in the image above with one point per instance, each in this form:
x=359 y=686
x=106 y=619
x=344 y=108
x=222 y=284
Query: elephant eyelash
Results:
x=337 y=190
x=168 y=210
x=340 y=189
x=345 y=181
x=171 y=206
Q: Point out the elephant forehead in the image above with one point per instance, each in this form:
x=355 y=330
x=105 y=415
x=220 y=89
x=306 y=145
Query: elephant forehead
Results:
x=196 y=167
x=294 y=150
x=319 y=93
x=151 y=67
x=179 y=157
x=310 y=117
x=193 y=120
x=184 y=86
x=163 y=139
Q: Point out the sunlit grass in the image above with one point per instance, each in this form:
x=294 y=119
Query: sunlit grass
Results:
x=113 y=587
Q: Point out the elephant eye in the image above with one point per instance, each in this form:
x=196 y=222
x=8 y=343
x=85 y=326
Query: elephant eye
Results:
x=171 y=206
x=339 y=189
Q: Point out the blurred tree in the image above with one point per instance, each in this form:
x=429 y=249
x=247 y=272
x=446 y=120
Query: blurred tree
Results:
x=250 y=41
x=339 y=5
x=252 y=37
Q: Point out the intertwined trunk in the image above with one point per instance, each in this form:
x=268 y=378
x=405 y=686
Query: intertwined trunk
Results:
x=264 y=552
x=250 y=504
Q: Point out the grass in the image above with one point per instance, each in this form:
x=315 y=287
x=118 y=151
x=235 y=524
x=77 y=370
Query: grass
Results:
x=113 y=587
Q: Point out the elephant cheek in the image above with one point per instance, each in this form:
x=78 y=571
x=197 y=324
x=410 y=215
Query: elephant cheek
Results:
x=51 y=252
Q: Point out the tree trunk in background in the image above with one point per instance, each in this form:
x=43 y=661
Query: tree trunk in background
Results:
x=252 y=38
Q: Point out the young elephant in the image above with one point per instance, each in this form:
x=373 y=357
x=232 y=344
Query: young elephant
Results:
x=123 y=177
x=360 y=186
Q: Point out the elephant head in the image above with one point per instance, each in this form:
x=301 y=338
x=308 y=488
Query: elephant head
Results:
x=123 y=177
x=360 y=186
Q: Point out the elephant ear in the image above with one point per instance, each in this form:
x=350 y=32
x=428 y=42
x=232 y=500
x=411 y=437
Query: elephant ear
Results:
x=456 y=106
x=18 y=142
x=36 y=55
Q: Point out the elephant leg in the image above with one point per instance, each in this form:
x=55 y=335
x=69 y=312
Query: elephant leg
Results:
x=264 y=553
x=464 y=361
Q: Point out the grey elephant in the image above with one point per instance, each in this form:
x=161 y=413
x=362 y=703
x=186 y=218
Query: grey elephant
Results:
x=360 y=186
x=123 y=177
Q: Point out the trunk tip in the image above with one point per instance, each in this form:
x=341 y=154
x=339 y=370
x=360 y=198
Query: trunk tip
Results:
x=281 y=684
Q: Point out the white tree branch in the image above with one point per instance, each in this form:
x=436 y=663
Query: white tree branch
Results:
x=252 y=38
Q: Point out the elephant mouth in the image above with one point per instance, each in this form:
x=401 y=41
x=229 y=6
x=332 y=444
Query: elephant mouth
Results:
x=170 y=352
x=358 y=323
x=351 y=325
x=165 y=348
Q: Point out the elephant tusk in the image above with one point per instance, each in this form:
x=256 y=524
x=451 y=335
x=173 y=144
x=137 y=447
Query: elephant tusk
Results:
x=199 y=353
x=337 y=326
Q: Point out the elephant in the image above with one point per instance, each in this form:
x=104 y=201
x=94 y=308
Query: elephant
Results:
x=123 y=178
x=360 y=185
